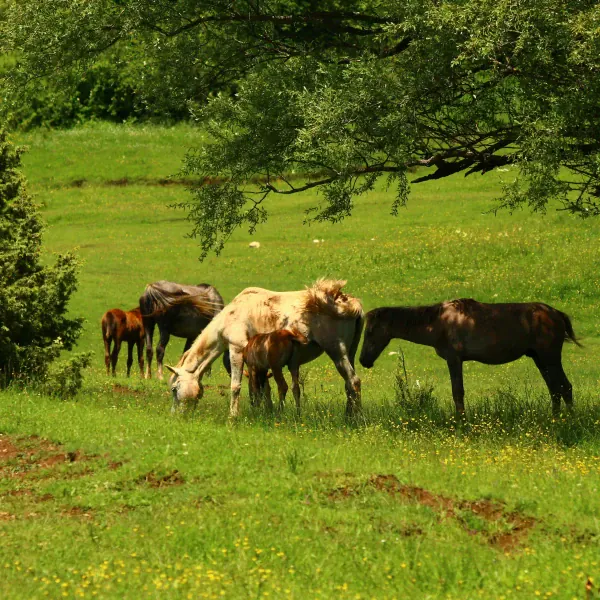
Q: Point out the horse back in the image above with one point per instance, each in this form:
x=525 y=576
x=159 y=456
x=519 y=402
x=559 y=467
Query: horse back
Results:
x=496 y=333
x=134 y=328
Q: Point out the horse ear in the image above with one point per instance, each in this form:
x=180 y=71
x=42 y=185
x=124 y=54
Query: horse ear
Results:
x=174 y=370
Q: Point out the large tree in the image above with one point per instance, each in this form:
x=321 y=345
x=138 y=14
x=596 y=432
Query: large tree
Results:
x=345 y=92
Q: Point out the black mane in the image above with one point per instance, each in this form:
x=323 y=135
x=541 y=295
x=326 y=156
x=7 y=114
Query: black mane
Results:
x=409 y=316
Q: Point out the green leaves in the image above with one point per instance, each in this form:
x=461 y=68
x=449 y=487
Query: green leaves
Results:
x=33 y=297
x=333 y=95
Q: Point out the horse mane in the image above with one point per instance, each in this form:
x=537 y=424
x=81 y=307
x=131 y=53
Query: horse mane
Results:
x=325 y=296
x=159 y=301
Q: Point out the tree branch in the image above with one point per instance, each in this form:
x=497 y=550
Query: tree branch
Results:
x=326 y=16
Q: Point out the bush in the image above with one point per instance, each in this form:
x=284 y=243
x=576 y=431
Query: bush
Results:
x=111 y=89
x=33 y=298
x=65 y=379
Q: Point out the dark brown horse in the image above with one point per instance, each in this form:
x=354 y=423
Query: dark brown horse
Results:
x=179 y=310
x=274 y=351
x=461 y=330
x=120 y=326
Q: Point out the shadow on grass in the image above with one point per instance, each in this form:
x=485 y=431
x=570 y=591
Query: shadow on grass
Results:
x=411 y=408
x=414 y=409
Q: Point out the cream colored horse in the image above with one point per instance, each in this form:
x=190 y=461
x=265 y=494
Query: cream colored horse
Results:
x=331 y=320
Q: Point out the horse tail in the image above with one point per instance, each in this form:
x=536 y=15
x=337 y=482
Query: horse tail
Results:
x=153 y=302
x=569 y=333
x=325 y=296
x=147 y=302
x=108 y=325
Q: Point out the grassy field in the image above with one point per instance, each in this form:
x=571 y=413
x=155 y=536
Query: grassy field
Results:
x=109 y=496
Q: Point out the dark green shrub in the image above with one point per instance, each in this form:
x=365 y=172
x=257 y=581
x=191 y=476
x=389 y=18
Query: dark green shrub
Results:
x=33 y=297
x=65 y=379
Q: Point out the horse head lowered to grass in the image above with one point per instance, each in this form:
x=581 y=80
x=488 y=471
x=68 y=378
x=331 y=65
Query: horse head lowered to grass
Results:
x=331 y=320
x=461 y=330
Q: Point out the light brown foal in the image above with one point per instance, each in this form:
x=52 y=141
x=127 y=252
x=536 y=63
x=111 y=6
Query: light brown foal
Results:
x=273 y=351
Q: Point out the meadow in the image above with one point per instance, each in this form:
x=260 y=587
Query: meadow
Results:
x=109 y=496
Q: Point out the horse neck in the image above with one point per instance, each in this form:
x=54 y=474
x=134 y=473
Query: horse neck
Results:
x=414 y=324
x=205 y=341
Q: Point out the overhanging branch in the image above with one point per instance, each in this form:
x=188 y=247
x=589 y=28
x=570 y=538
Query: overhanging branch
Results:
x=324 y=17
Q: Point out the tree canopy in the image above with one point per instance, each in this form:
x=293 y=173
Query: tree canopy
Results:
x=333 y=95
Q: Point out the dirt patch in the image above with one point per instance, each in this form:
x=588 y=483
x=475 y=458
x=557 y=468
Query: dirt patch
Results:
x=18 y=493
x=7 y=449
x=514 y=527
x=118 y=182
x=78 y=512
x=126 y=391
x=27 y=493
x=159 y=481
x=391 y=485
x=490 y=520
x=36 y=457
x=342 y=493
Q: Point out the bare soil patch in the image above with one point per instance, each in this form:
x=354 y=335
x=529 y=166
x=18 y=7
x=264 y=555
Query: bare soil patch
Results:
x=502 y=529
x=33 y=457
x=160 y=481
x=515 y=525
x=126 y=391
x=78 y=512
x=7 y=449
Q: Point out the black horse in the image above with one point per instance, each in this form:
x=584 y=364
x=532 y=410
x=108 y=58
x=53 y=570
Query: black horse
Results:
x=179 y=310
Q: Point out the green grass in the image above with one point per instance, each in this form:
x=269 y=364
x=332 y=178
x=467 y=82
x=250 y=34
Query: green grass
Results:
x=406 y=503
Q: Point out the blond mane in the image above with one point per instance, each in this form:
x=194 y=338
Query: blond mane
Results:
x=325 y=296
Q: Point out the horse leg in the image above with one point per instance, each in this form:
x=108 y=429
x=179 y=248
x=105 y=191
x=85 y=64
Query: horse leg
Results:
x=557 y=383
x=227 y=362
x=149 y=333
x=344 y=367
x=566 y=388
x=295 y=373
x=140 y=355
x=107 y=342
x=115 y=356
x=282 y=388
x=129 y=357
x=265 y=387
x=253 y=387
x=455 y=366
x=160 y=351
x=237 y=371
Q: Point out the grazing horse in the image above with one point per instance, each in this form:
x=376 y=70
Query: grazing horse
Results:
x=331 y=321
x=179 y=310
x=119 y=326
x=493 y=334
x=273 y=351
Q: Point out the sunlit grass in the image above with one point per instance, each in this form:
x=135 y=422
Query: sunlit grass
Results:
x=280 y=506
